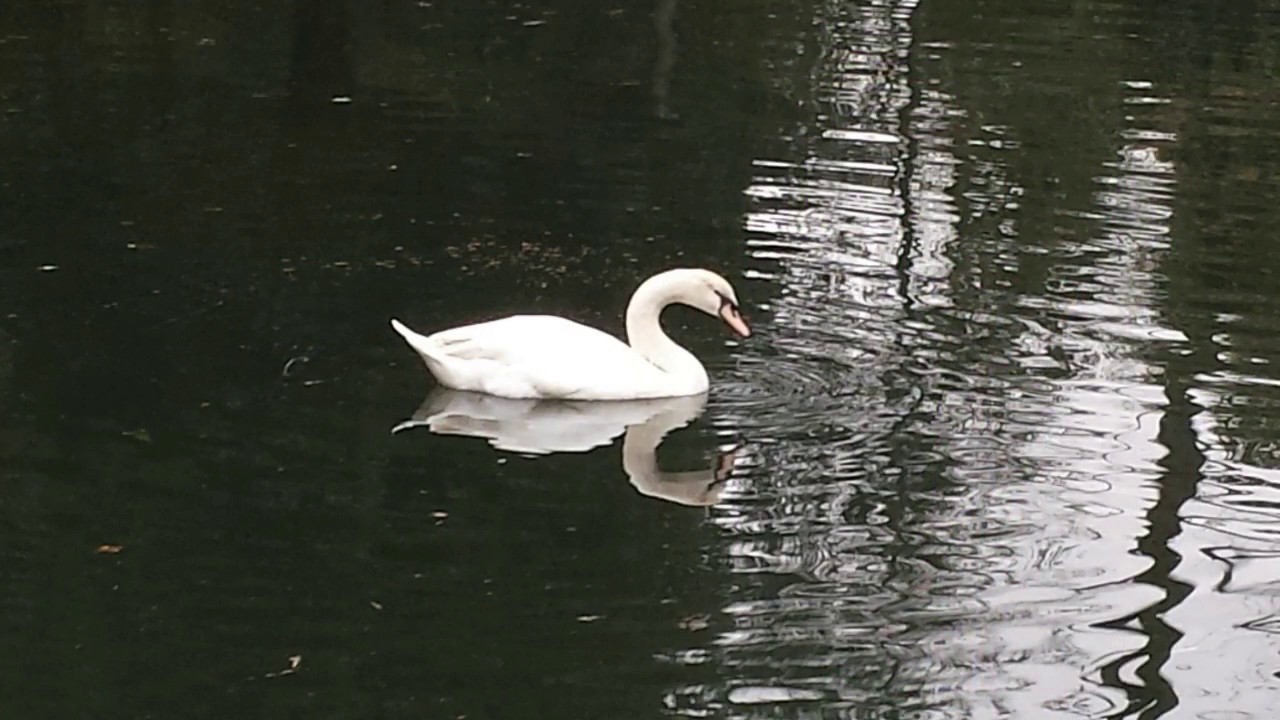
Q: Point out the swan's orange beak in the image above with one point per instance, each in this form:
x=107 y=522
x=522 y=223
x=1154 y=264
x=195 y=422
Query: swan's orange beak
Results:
x=729 y=313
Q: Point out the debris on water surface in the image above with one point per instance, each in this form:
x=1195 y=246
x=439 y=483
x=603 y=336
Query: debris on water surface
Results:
x=697 y=622
x=294 y=662
x=289 y=365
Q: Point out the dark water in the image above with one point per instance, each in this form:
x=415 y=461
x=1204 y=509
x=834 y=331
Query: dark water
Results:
x=1006 y=432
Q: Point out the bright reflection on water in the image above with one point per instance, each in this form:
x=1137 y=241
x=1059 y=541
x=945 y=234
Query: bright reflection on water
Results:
x=536 y=427
x=972 y=445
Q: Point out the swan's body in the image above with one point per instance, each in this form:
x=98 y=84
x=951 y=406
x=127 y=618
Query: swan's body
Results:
x=543 y=356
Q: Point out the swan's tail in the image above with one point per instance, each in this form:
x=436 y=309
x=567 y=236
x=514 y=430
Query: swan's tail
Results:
x=421 y=344
x=403 y=330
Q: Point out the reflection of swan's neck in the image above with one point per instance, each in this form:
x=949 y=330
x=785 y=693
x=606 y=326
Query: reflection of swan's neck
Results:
x=644 y=330
x=640 y=450
x=640 y=463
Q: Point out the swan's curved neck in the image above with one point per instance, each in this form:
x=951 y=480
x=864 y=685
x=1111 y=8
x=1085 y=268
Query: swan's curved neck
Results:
x=645 y=334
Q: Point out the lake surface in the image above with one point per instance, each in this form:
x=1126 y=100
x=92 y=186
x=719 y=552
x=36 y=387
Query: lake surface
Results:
x=1003 y=445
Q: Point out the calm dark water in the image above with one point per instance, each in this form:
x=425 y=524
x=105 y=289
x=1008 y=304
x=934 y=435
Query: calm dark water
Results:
x=1005 y=437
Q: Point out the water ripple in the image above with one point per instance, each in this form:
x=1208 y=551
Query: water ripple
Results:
x=959 y=427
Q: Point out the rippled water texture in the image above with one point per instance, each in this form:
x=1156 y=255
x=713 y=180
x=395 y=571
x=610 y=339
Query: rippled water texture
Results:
x=1003 y=444
x=1011 y=462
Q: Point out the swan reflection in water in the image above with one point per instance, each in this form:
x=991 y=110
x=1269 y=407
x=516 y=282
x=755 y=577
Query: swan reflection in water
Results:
x=548 y=426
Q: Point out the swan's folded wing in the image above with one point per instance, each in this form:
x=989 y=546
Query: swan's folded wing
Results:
x=557 y=357
x=522 y=338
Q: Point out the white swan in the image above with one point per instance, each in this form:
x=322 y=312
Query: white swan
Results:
x=549 y=357
x=550 y=426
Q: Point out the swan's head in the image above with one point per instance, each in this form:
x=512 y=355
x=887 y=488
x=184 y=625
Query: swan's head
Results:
x=711 y=294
